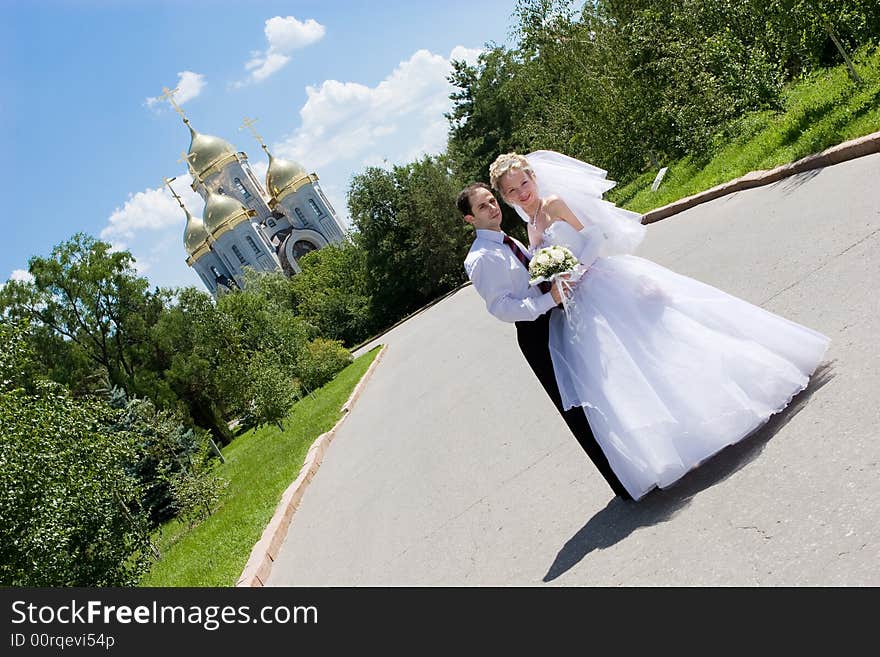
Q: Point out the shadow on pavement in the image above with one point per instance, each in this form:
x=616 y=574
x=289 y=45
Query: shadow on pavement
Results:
x=791 y=183
x=619 y=519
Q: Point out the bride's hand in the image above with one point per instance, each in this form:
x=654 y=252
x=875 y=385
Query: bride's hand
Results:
x=558 y=291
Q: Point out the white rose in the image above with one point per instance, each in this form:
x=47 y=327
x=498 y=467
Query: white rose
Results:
x=558 y=255
x=543 y=259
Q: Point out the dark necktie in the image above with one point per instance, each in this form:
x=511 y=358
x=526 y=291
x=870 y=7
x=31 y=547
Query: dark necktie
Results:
x=545 y=286
x=517 y=251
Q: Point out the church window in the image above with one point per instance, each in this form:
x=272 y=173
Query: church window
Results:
x=250 y=240
x=220 y=190
x=300 y=215
x=237 y=253
x=271 y=222
x=323 y=197
x=318 y=212
x=241 y=189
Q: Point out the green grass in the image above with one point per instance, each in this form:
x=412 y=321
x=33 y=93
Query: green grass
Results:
x=822 y=110
x=260 y=465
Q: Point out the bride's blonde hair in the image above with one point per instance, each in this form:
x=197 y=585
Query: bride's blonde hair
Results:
x=505 y=164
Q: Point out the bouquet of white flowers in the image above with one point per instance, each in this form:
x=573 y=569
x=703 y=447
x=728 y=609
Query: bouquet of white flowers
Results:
x=550 y=262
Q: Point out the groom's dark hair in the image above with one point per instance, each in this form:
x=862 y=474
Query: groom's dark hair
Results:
x=464 y=197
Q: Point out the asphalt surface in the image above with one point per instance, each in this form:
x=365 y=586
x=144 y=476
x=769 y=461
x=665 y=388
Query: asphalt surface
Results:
x=453 y=467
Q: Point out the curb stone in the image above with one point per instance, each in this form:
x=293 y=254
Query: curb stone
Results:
x=848 y=150
x=263 y=554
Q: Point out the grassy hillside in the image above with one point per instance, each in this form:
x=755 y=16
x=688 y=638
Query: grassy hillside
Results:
x=823 y=110
x=260 y=465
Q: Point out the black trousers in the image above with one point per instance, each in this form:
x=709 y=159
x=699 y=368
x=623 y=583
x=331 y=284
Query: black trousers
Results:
x=534 y=342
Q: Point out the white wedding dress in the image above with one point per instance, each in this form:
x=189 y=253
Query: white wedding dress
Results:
x=669 y=370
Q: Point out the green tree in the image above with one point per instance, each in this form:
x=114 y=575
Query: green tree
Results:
x=331 y=293
x=255 y=321
x=807 y=34
x=69 y=503
x=191 y=346
x=275 y=286
x=209 y=349
x=197 y=491
x=168 y=452
x=88 y=301
x=488 y=107
x=17 y=368
x=411 y=234
x=628 y=84
x=270 y=393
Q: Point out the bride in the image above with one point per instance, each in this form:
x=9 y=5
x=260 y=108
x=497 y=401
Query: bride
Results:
x=669 y=370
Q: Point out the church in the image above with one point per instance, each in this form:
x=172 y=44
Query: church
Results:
x=246 y=224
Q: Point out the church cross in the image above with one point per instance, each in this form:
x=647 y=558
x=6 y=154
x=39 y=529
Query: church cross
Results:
x=249 y=123
x=168 y=94
x=189 y=160
x=168 y=182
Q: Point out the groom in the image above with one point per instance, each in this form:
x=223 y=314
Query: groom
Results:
x=497 y=265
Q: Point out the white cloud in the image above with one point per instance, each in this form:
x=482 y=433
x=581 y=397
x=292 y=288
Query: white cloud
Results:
x=262 y=67
x=21 y=275
x=399 y=119
x=150 y=225
x=468 y=55
x=432 y=138
x=18 y=275
x=189 y=85
x=284 y=35
x=287 y=34
x=152 y=209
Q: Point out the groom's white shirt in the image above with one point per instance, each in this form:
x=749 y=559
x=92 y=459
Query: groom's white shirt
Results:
x=502 y=280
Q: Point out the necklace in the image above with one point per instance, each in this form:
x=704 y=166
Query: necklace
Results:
x=533 y=221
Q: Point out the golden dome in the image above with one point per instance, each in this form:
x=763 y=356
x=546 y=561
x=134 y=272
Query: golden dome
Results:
x=195 y=234
x=205 y=151
x=282 y=174
x=222 y=210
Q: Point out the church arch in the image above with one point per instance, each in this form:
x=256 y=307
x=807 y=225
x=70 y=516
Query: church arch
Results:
x=297 y=244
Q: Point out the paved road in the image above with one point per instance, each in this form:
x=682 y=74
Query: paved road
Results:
x=454 y=468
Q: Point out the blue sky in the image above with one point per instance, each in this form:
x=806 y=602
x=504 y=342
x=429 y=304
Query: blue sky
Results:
x=334 y=84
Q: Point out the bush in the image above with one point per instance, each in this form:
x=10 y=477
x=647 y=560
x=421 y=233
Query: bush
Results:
x=197 y=489
x=68 y=500
x=164 y=449
x=320 y=361
x=269 y=393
